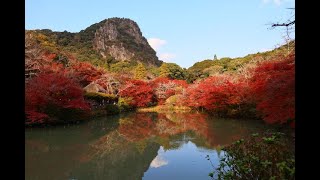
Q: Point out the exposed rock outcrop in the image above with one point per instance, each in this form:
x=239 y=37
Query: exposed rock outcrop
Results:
x=122 y=39
x=107 y=42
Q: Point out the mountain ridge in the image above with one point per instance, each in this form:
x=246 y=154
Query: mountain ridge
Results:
x=107 y=42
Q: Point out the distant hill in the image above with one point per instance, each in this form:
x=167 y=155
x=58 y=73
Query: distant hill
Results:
x=208 y=67
x=107 y=42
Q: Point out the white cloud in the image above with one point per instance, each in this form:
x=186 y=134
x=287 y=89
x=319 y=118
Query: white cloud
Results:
x=167 y=57
x=276 y=2
x=156 y=43
x=158 y=162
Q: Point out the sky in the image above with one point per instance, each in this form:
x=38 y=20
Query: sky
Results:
x=181 y=32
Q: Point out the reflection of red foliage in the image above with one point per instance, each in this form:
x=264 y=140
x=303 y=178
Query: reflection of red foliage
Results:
x=37 y=145
x=171 y=124
x=140 y=127
x=196 y=122
x=293 y=124
x=51 y=90
x=274 y=86
x=139 y=91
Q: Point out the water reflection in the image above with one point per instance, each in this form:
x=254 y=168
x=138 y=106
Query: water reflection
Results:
x=159 y=161
x=132 y=146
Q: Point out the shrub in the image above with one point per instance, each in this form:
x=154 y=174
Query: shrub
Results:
x=53 y=97
x=266 y=156
x=97 y=96
x=274 y=87
x=124 y=104
x=139 y=91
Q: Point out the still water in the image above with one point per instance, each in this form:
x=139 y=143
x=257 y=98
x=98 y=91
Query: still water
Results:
x=132 y=146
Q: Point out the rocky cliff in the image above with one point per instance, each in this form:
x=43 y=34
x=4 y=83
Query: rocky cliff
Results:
x=109 y=41
x=122 y=39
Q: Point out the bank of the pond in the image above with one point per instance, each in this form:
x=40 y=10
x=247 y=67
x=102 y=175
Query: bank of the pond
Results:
x=110 y=110
x=164 y=108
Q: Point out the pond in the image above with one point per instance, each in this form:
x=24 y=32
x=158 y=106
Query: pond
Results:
x=132 y=146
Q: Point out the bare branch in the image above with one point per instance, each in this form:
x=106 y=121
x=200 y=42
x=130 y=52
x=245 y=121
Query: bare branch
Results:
x=285 y=24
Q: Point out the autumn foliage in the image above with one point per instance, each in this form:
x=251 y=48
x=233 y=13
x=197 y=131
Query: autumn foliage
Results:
x=163 y=88
x=271 y=90
x=84 y=73
x=216 y=93
x=139 y=92
x=274 y=87
x=47 y=93
x=264 y=89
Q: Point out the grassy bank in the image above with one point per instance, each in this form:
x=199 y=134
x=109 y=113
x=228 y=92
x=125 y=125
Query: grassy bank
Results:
x=163 y=108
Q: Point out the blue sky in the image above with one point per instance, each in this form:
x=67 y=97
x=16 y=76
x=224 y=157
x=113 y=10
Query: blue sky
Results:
x=182 y=32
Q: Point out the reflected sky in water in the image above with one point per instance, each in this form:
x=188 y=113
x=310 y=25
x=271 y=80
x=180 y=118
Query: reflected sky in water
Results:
x=186 y=162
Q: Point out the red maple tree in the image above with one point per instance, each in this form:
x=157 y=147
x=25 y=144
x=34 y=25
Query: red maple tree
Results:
x=139 y=91
x=274 y=87
x=52 y=90
x=84 y=73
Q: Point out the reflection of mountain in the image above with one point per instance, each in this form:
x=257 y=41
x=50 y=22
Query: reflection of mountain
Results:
x=125 y=163
x=48 y=161
x=53 y=153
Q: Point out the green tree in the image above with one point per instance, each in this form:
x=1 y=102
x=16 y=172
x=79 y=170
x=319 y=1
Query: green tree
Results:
x=155 y=71
x=140 y=72
x=172 y=70
x=164 y=70
x=121 y=67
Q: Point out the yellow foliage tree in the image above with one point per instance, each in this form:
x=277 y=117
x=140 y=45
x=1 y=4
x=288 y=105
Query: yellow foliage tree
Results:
x=140 y=72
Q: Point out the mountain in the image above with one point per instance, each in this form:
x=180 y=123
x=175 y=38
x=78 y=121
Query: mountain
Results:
x=122 y=39
x=107 y=42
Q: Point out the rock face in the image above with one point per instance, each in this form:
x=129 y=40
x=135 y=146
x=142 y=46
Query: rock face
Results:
x=109 y=41
x=93 y=87
x=122 y=39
